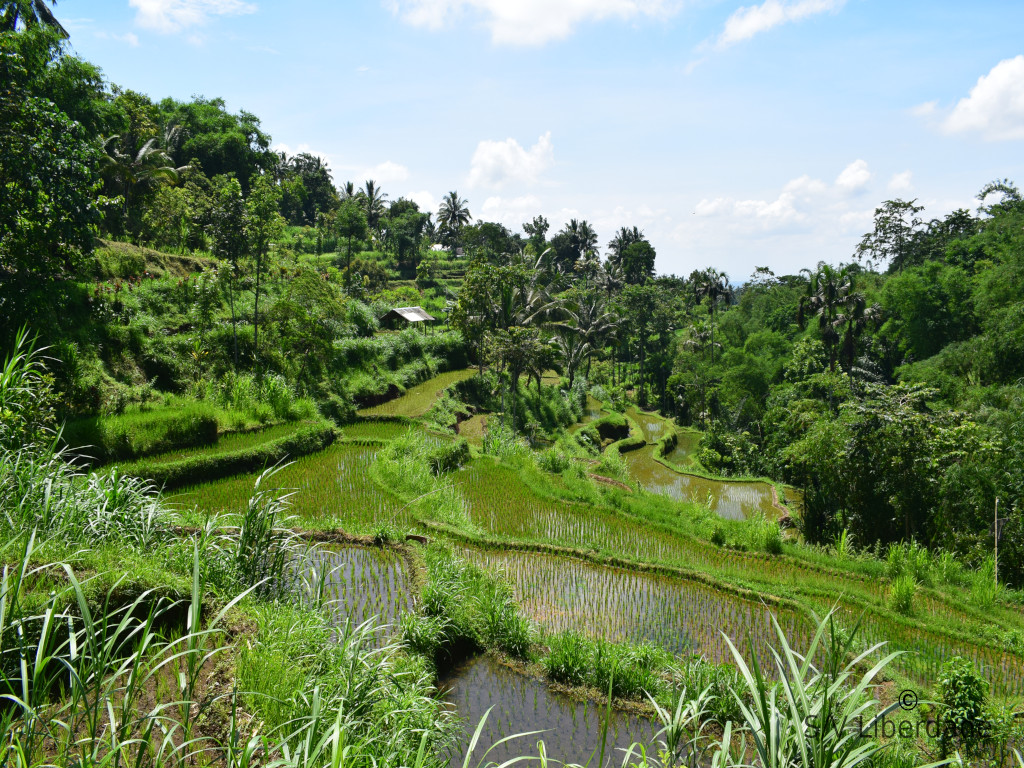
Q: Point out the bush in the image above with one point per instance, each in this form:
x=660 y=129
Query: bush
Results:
x=446 y=457
x=902 y=592
x=963 y=726
x=569 y=658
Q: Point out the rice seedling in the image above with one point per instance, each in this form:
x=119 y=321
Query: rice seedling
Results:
x=333 y=489
x=376 y=430
x=226 y=443
x=419 y=399
x=352 y=585
x=619 y=605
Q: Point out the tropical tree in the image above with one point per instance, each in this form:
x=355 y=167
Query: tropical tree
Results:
x=228 y=242
x=712 y=286
x=585 y=322
x=350 y=223
x=452 y=216
x=638 y=262
x=136 y=171
x=373 y=204
x=30 y=13
x=624 y=238
x=263 y=225
x=893 y=237
x=347 y=190
x=841 y=310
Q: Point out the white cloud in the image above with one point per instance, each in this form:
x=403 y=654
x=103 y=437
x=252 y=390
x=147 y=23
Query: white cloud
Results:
x=529 y=22
x=511 y=212
x=854 y=177
x=386 y=172
x=995 y=106
x=901 y=182
x=927 y=109
x=769 y=213
x=128 y=37
x=495 y=162
x=175 y=15
x=425 y=200
x=751 y=20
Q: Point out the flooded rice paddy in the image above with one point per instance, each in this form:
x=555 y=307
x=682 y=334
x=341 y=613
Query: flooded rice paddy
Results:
x=731 y=500
x=499 y=502
x=682 y=616
x=572 y=729
x=354 y=584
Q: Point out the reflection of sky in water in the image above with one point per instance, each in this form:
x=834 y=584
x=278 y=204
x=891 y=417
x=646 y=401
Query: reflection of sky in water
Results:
x=734 y=501
x=522 y=704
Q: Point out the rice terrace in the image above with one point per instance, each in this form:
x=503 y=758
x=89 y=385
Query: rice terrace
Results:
x=298 y=472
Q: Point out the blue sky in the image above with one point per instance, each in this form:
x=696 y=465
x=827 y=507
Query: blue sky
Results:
x=734 y=134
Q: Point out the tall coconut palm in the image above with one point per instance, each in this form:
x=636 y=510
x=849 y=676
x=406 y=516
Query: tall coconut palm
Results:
x=30 y=13
x=584 y=323
x=373 y=203
x=624 y=238
x=347 y=190
x=713 y=286
x=452 y=216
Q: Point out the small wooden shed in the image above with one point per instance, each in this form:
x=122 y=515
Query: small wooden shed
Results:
x=395 y=317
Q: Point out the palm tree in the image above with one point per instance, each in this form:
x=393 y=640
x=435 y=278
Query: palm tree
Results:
x=624 y=238
x=132 y=172
x=373 y=204
x=31 y=13
x=713 y=286
x=842 y=311
x=452 y=216
x=347 y=190
x=585 y=323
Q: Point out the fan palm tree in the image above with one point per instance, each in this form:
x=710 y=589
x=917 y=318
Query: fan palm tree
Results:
x=30 y=13
x=452 y=216
x=841 y=310
x=713 y=286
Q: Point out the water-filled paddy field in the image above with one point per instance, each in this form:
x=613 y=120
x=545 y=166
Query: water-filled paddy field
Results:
x=520 y=704
x=731 y=500
x=500 y=503
x=682 y=616
x=334 y=490
x=355 y=584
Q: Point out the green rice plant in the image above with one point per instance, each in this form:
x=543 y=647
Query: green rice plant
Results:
x=902 y=592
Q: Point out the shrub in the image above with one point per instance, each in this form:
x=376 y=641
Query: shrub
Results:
x=963 y=725
x=902 y=592
x=569 y=658
x=718 y=536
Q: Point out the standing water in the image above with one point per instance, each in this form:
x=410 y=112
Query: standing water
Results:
x=520 y=704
